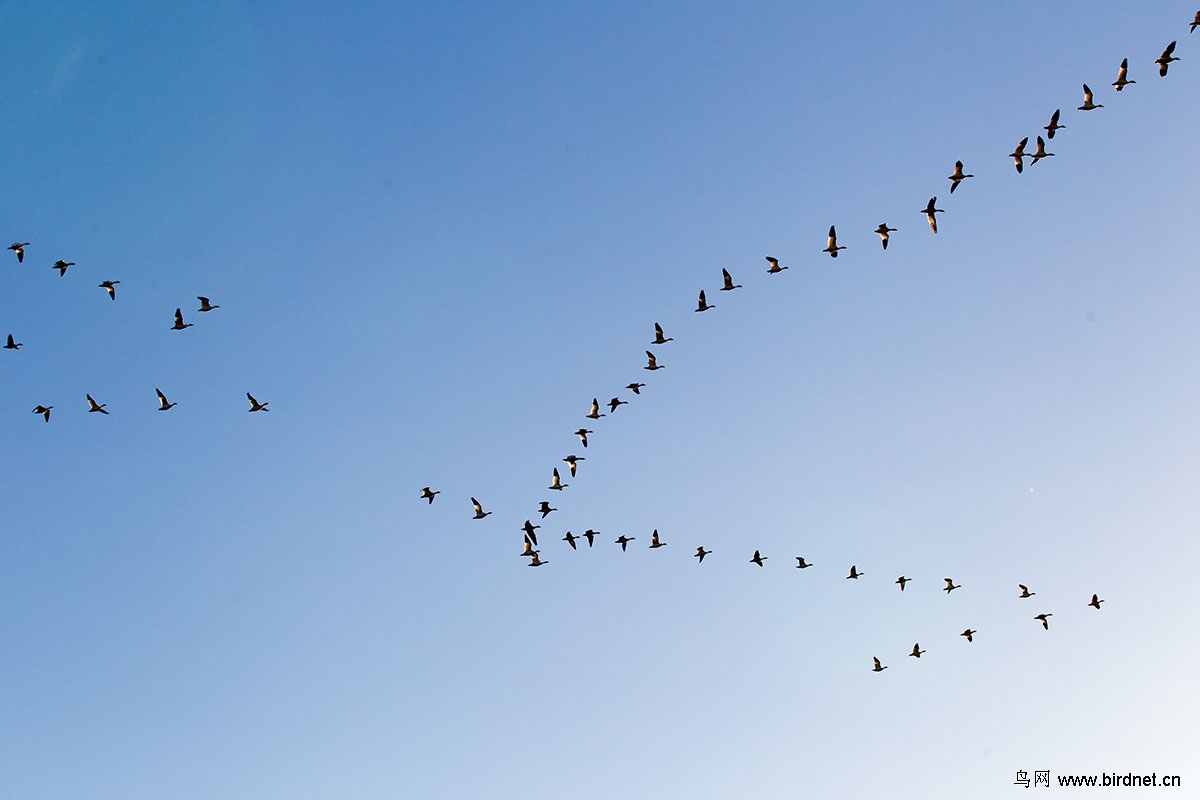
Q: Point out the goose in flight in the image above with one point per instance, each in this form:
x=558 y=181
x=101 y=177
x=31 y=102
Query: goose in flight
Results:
x=1088 y=105
x=832 y=248
x=653 y=362
x=535 y=561
x=429 y=494
x=701 y=553
x=1053 y=126
x=93 y=406
x=929 y=212
x=623 y=540
x=1096 y=601
x=1165 y=59
x=1040 y=153
x=179 y=323
x=479 y=512
x=615 y=402
x=529 y=529
x=655 y=542
x=61 y=266
x=545 y=508
x=163 y=405
x=1018 y=154
x=13 y=345
x=883 y=230
x=1043 y=618
x=205 y=305
x=801 y=563
x=658 y=335
x=556 y=483
x=1195 y=23
x=703 y=305
x=110 y=287
x=634 y=387
x=572 y=461
x=969 y=633
x=570 y=539
x=1025 y=590
x=854 y=573
x=729 y=284
x=951 y=586
x=1121 y=82
x=590 y=535
x=255 y=405
x=582 y=433
x=41 y=409
x=878 y=667
x=529 y=551
x=958 y=176
x=916 y=651
x=902 y=580
x=758 y=558
x=19 y=249
x=595 y=412
x=774 y=268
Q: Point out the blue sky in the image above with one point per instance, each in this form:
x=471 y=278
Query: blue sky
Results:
x=436 y=232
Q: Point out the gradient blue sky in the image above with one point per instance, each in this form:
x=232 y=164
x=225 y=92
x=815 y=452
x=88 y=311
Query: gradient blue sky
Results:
x=436 y=231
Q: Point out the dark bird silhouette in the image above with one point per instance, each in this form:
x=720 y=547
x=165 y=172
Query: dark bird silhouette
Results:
x=19 y=249
x=1195 y=23
x=1096 y=601
x=61 y=266
x=556 y=483
x=969 y=633
x=729 y=285
x=40 y=409
x=255 y=405
x=529 y=529
x=832 y=248
x=1053 y=126
x=703 y=305
x=655 y=542
x=595 y=412
x=582 y=433
x=774 y=268
x=572 y=461
x=529 y=551
x=1041 y=151
x=590 y=535
x=634 y=387
x=758 y=558
x=624 y=540
x=1025 y=591
x=701 y=553
x=883 y=230
x=12 y=345
x=929 y=212
x=205 y=305
x=950 y=586
x=110 y=287
x=1088 y=105
x=429 y=494
x=616 y=401
x=1044 y=619
x=902 y=580
x=916 y=651
x=1019 y=154
x=479 y=512
x=658 y=335
x=570 y=539
x=1165 y=59
x=958 y=176
x=854 y=573
x=652 y=362
x=545 y=509
x=163 y=405
x=179 y=324
x=93 y=406
x=1121 y=82
x=536 y=562
x=878 y=667
x=801 y=563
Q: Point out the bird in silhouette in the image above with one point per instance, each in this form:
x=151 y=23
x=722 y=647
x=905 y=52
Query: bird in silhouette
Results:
x=902 y=580
x=110 y=287
x=529 y=551
x=916 y=651
x=536 y=562
x=758 y=558
x=729 y=284
x=958 y=176
x=701 y=553
x=854 y=573
x=1165 y=59
x=832 y=248
x=1053 y=126
x=94 y=407
x=61 y=266
x=570 y=539
x=623 y=540
x=572 y=461
x=1025 y=590
x=13 y=345
x=1195 y=23
x=1040 y=153
x=950 y=586
x=529 y=529
x=801 y=563
x=703 y=305
x=883 y=230
x=595 y=412
x=655 y=542
x=774 y=268
x=658 y=335
x=1121 y=82
x=1096 y=601
x=635 y=387
x=479 y=512
x=163 y=405
x=878 y=667
x=929 y=212
x=19 y=249
x=969 y=633
x=616 y=401
x=590 y=535
x=556 y=483
x=1043 y=618
x=545 y=509
x=582 y=433
x=1088 y=105
x=179 y=323
x=205 y=305
x=1018 y=154
x=255 y=405
x=429 y=494
x=40 y=409
x=653 y=362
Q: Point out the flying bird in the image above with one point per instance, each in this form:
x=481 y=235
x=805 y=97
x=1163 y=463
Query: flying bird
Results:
x=703 y=306
x=774 y=268
x=801 y=563
x=529 y=529
x=729 y=285
x=163 y=405
x=595 y=412
x=1195 y=23
x=1025 y=590
x=1043 y=618
x=902 y=580
x=883 y=230
x=93 y=406
x=969 y=633
x=624 y=540
x=205 y=305
x=19 y=249
x=556 y=483
x=536 y=562
x=582 y=433
x=1165 y=59
x=916 y=651
x=1019 y=154
x=616 y=401
x=634 y=387
x=12 y=345
x=255 y=405
x=1096 y=601
x=655 y=542
x=61 y=266
x=1041 y=151
x=429 y=494
x=1088 y=105
x=701 y=553
x=40 y=409
x=570 y=539
x=929 y=212
x=878 y=667
x=854 y=573
x=950 y=586
x=1053 y=126
x=529 y=551
x=545 y=508
x=958 y=176
x=1121 y=82
x=572 y=461
x=479 y=512
x=590 y=535
x=832 y=248
x=758 y=558
x=653 y=363
x=179 y=324
x=110 y=287
x=658 y=335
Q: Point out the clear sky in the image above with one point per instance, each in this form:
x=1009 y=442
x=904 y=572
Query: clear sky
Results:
x=435 y=232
